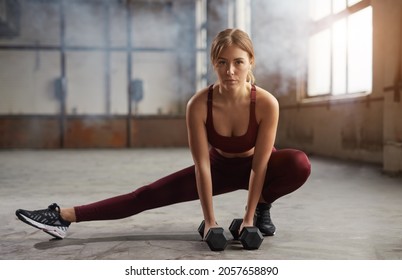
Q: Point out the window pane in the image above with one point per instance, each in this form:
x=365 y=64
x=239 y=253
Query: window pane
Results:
x=319 y=63
x=352 y=2
x=338 y=5
x=161 y=25
x=319 y=9
x=339 y=57
x=360 y=49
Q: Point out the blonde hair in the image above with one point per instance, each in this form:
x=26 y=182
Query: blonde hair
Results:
x=236 y=37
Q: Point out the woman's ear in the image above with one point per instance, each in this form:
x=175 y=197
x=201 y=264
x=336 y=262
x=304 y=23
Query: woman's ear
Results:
x=251 y=63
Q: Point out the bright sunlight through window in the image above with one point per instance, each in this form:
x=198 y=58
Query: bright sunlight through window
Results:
x=340 y=47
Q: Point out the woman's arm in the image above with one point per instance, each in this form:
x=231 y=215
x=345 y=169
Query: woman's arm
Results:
x=198 y=142
x=267 y=112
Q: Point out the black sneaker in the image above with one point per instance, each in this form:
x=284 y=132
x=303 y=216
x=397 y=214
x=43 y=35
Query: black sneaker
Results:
x=262 y=219
x=48 y=220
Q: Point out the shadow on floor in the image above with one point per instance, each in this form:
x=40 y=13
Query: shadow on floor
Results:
x=55 y=243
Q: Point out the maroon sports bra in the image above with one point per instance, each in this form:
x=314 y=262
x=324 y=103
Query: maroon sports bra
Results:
x=233 y=144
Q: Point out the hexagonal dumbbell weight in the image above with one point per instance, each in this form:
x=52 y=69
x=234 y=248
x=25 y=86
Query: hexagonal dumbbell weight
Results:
x=250 y=237
x=215 y=237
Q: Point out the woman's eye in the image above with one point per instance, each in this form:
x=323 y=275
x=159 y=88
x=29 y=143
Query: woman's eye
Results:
x=222 y=62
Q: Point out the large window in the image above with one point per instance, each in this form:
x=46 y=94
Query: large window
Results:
x=340 y=47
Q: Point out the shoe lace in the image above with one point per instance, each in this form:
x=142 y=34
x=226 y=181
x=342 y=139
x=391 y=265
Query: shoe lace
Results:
x=54 y=207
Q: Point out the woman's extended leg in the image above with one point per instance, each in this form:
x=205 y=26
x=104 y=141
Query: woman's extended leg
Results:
x=174 y=188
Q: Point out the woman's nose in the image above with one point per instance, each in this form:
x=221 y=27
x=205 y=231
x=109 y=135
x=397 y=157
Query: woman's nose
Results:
x=230 y=70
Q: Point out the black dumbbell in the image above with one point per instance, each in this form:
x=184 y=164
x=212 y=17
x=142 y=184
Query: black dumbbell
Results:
x=250 y=237
x=215 y=237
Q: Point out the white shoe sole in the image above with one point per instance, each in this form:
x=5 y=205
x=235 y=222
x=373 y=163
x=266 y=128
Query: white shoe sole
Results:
x=52 y=230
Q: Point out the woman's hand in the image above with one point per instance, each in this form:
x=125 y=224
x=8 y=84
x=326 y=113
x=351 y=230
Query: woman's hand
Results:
x=246 y=223
x=208 y=226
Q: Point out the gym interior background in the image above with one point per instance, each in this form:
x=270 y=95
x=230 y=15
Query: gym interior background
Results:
x=118 y=74
x=92 y=104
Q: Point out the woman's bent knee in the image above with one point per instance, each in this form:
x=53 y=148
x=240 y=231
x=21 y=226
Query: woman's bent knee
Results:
x=301 y=165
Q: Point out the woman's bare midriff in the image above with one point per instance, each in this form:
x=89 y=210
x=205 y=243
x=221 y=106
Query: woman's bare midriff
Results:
x=236 y=155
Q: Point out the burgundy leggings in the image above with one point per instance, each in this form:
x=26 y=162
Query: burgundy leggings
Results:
x=288 y=169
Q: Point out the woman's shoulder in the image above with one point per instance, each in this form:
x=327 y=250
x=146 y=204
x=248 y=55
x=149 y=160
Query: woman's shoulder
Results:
x=265 y=98
x=198 y=100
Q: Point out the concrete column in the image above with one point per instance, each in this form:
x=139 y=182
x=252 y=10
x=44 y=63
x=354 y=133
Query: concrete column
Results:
x=391 y=16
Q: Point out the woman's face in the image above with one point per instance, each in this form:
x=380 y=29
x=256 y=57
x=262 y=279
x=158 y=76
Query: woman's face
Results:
x=232 y=67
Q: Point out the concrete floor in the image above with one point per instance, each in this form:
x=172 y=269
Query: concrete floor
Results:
x=345 y=210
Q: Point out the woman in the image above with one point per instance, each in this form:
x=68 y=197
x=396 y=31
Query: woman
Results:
x=238 y=120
